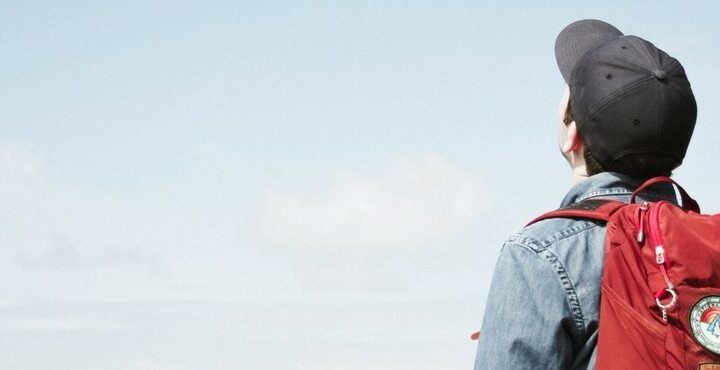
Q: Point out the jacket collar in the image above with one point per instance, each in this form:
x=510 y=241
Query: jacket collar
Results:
x=613 y=185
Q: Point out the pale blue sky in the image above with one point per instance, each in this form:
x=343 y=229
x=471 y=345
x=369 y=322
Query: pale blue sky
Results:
x=296 y=184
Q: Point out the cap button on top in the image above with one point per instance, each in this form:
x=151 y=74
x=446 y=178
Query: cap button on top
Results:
x=660 y=74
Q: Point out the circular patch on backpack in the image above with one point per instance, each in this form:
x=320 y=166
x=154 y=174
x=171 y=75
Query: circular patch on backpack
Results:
x=705 y=323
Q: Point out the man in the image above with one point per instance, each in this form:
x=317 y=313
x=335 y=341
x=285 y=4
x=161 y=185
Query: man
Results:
x=627 y=114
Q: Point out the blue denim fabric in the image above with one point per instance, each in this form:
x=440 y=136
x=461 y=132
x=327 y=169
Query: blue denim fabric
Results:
x=544 y=302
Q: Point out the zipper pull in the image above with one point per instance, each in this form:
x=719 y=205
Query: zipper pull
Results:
x=641 y=233
x=664 y=308
x=660 y=255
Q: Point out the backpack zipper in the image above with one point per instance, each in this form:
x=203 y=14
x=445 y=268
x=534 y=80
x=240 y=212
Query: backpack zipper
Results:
x=642 y=210
x=661 y=258
x=656 y=238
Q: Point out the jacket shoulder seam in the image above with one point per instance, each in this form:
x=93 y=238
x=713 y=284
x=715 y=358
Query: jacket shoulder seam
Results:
x=542 y=250
x=538 y=246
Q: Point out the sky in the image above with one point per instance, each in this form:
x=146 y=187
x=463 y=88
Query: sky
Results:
x=289 y=184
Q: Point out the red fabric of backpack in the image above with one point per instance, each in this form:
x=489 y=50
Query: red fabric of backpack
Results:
x=660 y=298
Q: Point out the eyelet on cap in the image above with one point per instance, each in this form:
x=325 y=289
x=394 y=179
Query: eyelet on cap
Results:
x=660 y=74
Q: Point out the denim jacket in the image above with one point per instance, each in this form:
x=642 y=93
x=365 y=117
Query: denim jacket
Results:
x=544 y=302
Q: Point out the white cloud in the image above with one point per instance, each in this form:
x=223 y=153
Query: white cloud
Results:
x=67 y=236
x=412 y=204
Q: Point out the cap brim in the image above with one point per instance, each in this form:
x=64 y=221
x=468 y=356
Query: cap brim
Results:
x=577 y=39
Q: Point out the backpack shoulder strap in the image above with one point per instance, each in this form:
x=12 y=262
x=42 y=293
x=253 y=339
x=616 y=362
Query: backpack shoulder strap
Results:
x=593 y=209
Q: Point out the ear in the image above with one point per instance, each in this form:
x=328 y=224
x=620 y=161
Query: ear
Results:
x=573 y=140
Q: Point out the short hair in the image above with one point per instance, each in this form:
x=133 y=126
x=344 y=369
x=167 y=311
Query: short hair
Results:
x=642 y=166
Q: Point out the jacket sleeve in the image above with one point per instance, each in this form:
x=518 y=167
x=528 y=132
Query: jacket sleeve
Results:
x=527 y=316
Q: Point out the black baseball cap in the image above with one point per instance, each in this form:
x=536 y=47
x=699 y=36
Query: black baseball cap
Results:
x=627 y=96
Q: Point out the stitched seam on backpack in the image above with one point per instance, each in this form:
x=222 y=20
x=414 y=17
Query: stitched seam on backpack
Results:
x=620 y=304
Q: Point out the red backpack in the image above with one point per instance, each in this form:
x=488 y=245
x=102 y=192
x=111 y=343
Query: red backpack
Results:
x=660 y=297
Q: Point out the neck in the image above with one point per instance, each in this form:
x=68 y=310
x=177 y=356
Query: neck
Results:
x=579 y=174
x=576 y=160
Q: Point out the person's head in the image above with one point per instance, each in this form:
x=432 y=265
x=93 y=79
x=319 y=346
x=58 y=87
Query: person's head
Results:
x=628 y=106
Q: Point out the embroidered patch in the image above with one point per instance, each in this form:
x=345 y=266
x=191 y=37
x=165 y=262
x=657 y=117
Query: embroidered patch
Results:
x=705 y=323
x=709 y=366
